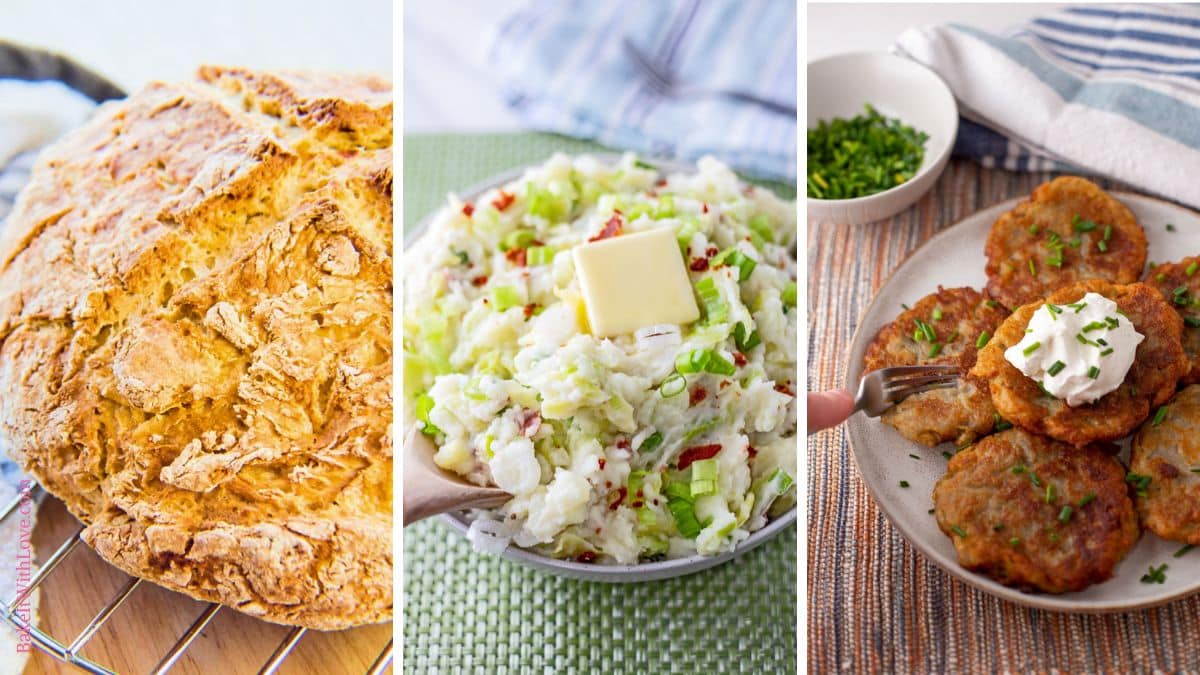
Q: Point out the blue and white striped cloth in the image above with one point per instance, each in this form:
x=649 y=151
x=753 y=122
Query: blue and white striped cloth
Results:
x=562 y=68
x=1111 y=90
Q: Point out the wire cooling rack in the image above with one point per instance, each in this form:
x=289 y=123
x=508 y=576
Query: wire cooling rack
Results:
x=70 y=652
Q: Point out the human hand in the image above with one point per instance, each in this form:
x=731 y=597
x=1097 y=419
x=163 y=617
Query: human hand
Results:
x=828 y=408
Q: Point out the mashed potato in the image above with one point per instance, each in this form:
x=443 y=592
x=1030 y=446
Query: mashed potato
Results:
x=662 y=443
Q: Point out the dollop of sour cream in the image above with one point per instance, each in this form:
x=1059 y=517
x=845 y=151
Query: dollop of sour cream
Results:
x=1079 y=352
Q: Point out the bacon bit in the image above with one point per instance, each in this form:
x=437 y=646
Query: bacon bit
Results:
x=516 y=256
x=529 y=310
x=704 y=207
x=711 y=251
x=601 y=460
x=784 y=389
x=621 y=494
x=748 y=190
x=636 y=505
x=751 y=451
x=597 y=530
x=698 y=264
x=586 y=557
x=660 y=182
x=698 y=394
x=479 y=280
x=639 y=495
x=697 y=453
x=503 y=201
x=611 y=229
x=531 y=422
x=623 y=443
x=348 y=153
x=739 y=359
x=468 y=209
x=724 y=383
x=608 y=484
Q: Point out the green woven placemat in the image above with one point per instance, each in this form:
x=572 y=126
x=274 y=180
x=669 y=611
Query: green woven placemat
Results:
x=469 y=612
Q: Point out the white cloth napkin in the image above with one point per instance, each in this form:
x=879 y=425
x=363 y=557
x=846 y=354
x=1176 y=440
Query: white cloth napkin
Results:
x=1112 y=90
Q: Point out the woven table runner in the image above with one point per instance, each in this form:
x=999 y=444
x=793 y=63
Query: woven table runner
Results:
x=874 y=603
x=470 y=612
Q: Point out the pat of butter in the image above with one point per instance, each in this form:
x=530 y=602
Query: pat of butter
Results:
x=634 y=280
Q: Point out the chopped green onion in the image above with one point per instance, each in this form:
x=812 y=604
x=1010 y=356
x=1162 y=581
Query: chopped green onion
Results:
x=999 y=423
x=1106 y=352
x=1019 y=469
x=1184 y=551
x=1191 y=269
x=998 y=527
x=1102 y=245
x=1083 y=225
x=665 y=207
x=1093 y=372
x=937 y=313
x=1065 y=514
x=863 y=155
x=735 y=258
x=673 y=385
x=504 y=298
x=652 y=442
x=1078 y=306
x=1191 y=321
x=1076 y=242
x=1034 y=229
x=762 y=227
x=1139 y=481
x=1170 y=227
x=982 y=339
x=918 y=336
x=1032 y=267
x=935 y=349
x=1107 y=232
x=685 y=516
x=463 y=258
x=959 y=531
x=947 y=454
x=992 y=303
x=1033 y=478
x=1055 y=368
x=715 y=308
x=789 y=294
x=1160 y=277
x=926 y=330
x=424 y=406
x=903 y=483
x=743 y=341
x=517 y=239
x=539 y=255
x=1014 y=542
x=1050 y=493
x=1156 y=575
x=1087 y=499
x=1031 y=348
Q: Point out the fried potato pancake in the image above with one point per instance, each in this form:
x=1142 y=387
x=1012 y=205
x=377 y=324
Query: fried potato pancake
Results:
x=1169 y=278
x=1168 y=453
x=1068 y=231
x=956 y=317
x=1036 y=514
x=1151 y=380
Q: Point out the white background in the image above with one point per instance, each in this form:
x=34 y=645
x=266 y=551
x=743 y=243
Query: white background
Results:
x=836 y=28
x=133 y=42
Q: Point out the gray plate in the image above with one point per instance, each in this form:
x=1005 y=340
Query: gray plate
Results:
x=954 y=257
x=593 y=572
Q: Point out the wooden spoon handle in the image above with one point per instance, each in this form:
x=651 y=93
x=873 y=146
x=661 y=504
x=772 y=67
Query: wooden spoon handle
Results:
x=428 y=490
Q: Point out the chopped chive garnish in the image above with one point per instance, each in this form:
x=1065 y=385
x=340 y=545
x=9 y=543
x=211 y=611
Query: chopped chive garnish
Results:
x=1056 y=368
x=992 y=303
x=1191 y=269
x=1106 y=352
x=947 y=454
x=1031 y=348
x=1160 y=277
x=999 y=423
x=1195 y=469
x=1102 y=342
x=1034 y=229
x=1170 y=227
x=998 y=527
x=1139 y=482
x=937 y=313
x=1053 y=536
x=930 y=511
x=935 y=349
x=1042 y=385
x=905 y=307
x=1082 y=225
x=1076 y=242
x=1184 y=551
x=1087 y=499
x=1033 y=478
x=1191 y=321
x=1182 y=290
x=1019 y=469
x=1102 y=245
x=1156 y=575
x=1093 y=372
x=1078 y=306
x=903 y=483
x=953 y=336
x=1160 y=415
x=1053 y=309
x=982 y=339
x=914 y=456
x=1112 y=321
x=1107 y=232
x=1065 y=514
x=1014 y=542
x=959 y=531
x=1032 y=267
x=1050 y=493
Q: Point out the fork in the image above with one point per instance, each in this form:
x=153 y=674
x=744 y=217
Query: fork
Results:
x=663 y=82
x=881 y=389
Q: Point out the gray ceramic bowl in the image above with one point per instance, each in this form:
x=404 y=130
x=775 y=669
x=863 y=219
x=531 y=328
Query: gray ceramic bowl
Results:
x=651 y=571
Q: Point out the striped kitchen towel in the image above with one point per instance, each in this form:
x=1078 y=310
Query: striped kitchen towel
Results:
x=562 y=67
x=1111 y=90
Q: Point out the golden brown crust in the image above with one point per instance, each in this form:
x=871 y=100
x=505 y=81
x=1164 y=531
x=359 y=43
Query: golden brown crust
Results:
x=1169 y=454
x=195 y=316
x=1002 y=504
x=1025 y=233
x=1151 y=380
x=1168 y=278
x=962 y=413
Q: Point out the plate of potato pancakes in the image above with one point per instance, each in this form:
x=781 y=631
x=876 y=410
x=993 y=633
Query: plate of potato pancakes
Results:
x=1061 y=469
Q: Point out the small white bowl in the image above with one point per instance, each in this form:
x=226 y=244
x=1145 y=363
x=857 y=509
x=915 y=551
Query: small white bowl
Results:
x=838 y=86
